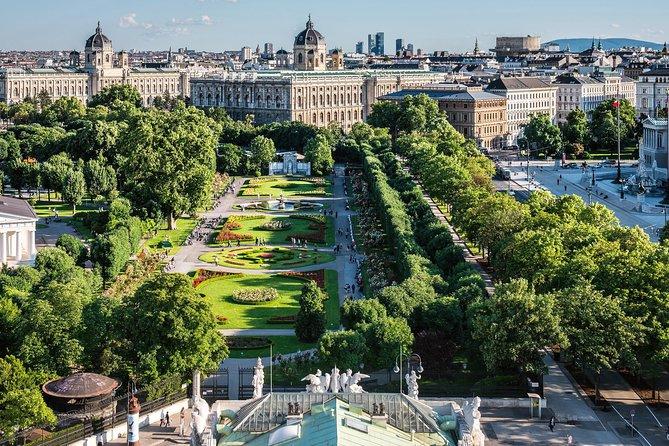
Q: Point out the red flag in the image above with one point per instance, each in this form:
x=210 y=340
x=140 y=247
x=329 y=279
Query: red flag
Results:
x=616 y=104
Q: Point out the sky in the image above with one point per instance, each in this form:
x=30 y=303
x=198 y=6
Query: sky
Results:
x=216 y=25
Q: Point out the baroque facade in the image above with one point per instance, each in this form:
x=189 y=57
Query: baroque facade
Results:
x=652 y=91
x=101 y=68
x=310 y=93
x=525 y=96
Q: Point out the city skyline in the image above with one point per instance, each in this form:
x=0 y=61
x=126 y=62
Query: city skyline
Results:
x=217 y=25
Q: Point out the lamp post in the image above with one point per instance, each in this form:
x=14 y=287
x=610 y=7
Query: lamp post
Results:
x=619 y=178
x=412 y=359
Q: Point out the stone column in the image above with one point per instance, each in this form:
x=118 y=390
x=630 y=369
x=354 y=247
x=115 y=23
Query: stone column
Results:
x=3 y=248
x=17 y=237
x=31 y=243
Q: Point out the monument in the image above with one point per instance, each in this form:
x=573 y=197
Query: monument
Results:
x=334 y=383
x=258 y=379
x=292 y=164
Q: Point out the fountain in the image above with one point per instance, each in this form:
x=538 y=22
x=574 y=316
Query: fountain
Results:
x=644 y=182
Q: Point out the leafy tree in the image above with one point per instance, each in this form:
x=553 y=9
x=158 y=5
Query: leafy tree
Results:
x=310 y=322
x=74 y=188
x=575 y=130
x=542 y=134
x=512 y=327
x=55 y=172
x=110 y=252
x=262 y=152
x=604 y=125
x=345 y=349
x=100 y=178
x=168 y=162
x=171 y=329
x=118 y=92
x=384 y=338
x=63 y=110
x=362 y=311
x=600 y=335
x=229 y=158
x=319 y=154
x=74 y=247
x=21 y=402
x=10 y=315
x=385 y=114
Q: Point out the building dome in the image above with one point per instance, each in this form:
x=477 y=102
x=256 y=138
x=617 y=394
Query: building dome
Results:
x=81 y=385
x=282 y=51
x=98 y=41
x=310 y=36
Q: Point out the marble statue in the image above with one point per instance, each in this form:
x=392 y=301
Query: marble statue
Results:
x=198 y=422
x=353 y=386
x=343 y=381
x=472 y=416
x=258 y=379
x=318 y=383
x=653 y=170
x=412 y=384
x=334 y=380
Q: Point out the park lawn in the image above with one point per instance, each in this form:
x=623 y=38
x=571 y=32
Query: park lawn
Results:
x=282 y=237
x=626 y=153
x=257 y=257
x=286 y=186
x=43 y=208
x=218 y=291
x=281 y=345
x=176 y=237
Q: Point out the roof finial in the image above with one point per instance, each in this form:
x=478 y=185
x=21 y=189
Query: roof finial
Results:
x=99 y=28
x=310 y=24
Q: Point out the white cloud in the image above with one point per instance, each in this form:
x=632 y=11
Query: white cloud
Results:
x=615 y=25
x=128 y=21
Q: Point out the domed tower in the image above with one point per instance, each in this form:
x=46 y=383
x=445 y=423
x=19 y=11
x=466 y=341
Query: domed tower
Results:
x=337 y=57
x=99 y=51
x=310 y=49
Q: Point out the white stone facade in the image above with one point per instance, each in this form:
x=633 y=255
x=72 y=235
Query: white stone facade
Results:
x=18 y=224
x=587 y=92
x=653 y=146
x=525 y=97
x=651 y=91
x=101 y=69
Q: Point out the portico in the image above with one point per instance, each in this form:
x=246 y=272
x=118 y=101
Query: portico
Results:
x=18 y=224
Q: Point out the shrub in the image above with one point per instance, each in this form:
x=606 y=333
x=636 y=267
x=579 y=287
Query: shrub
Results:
x=73 y=246
x=310 y=323
x=255 y=295
x=247 y=342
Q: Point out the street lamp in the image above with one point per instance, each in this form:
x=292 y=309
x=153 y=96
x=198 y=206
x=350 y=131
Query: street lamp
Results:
x=619 y=179
x=412 y=359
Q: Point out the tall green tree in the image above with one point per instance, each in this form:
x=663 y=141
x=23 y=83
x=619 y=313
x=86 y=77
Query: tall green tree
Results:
x=74 y=188
x=171 y=329
x=513 y=326
x=319 y=153
x=345 y=349
x=543 y=135
x=310 y=322
x=604 y=125
x=262 y=152
x=118 y=92
x=168 y=162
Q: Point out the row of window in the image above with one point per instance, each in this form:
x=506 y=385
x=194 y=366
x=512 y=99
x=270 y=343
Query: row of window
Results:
x=326 y=118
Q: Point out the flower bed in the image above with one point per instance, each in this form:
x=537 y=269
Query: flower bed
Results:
x=276 y=225
x=255 y=295
x=205 y=274
x=247 y=342
x=316 y=276
x=281 y=320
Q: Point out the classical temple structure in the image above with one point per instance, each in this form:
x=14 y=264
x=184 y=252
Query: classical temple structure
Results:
x=317 y=91
x=18 y=223
x=100 y=68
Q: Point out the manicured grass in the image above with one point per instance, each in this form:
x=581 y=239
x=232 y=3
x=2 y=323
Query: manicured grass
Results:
x=218 y=291
x=288 y=186
x=282 y=237
x=281 y=345
x=266 y=257
x=45 y=208
x=175 y=237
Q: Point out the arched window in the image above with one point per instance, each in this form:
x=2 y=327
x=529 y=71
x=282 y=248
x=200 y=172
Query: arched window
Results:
x=268 y=100
x=300 y=58
x=277 y=99
x=107 y=58
x=299 y=102
x=329 y=117
x=315 y=120
x=321 y=117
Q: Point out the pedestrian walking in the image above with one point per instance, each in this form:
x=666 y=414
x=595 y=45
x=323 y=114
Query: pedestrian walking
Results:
x=551 y=424
x=565 y=188
x=162 y=418
x=167 y=419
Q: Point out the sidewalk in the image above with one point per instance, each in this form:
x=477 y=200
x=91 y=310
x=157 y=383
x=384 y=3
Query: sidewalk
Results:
x=562 y=397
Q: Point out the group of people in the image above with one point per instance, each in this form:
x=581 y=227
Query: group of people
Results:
x=296 y=242
x=165 y=420
x=202 y=230
x=261 y=241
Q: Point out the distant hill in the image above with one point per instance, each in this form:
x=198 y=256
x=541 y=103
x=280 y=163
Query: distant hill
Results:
x=613 y=43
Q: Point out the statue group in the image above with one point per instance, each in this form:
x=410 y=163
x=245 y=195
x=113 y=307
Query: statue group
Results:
x=335 y=382
x=412 y=384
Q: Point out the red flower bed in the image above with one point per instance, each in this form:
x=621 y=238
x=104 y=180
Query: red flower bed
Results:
x=316 y=276
x=205 y=274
